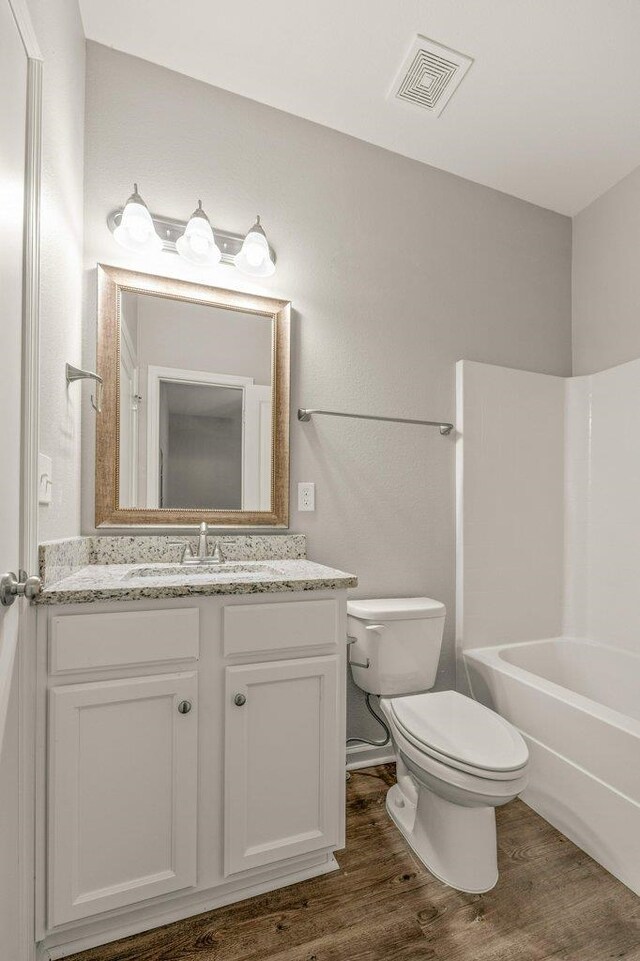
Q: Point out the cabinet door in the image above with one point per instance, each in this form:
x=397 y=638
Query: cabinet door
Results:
x=123 y=793
x=283 y=761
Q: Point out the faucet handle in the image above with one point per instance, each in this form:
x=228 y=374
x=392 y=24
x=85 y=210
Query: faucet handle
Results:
x=218 y=556
x=187 y=550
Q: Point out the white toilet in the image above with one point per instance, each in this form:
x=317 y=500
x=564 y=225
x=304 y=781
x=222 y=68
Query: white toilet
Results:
x=456 y=759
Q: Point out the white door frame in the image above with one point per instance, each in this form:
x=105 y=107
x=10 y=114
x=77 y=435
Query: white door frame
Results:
x=29 y=487
x=178 y=376
x=31 y=310
x=129 y=360
x=28 y=558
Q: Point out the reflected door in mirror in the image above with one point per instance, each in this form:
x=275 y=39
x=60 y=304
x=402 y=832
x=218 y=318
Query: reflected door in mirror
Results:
x=195 y=406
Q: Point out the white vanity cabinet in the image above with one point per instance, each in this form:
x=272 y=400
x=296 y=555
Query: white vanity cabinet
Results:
x=192 y=755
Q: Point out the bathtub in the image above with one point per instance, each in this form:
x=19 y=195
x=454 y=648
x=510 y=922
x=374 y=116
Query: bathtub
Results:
x=577 y=704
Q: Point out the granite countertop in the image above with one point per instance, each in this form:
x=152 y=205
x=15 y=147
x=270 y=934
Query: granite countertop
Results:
x=125 y=582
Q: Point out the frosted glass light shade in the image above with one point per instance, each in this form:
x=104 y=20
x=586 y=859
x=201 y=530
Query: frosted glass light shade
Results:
x=197 y=244
x=136 y=230
x=254 y=258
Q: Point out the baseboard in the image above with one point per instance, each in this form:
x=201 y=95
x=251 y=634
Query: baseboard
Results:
x=365 y=755
x=98 y=931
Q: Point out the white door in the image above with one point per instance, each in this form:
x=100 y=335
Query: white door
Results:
x=18 y=277
x=283 y=761
x=122 y=792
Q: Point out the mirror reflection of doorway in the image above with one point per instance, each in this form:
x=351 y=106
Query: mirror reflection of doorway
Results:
x=195 y=406
x=200 y=446
x=209 y=441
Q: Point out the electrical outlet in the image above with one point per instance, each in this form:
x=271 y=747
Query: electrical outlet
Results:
x=306 y=496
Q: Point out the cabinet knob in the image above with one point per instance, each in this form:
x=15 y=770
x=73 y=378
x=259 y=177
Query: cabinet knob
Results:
x=184 y=707
x=239 y=700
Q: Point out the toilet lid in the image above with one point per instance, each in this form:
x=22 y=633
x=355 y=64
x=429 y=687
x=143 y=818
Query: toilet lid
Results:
x=461 y=729
x=396 y=608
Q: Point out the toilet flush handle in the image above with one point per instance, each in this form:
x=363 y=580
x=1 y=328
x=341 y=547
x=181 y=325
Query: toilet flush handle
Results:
x=377 y=629
x=350 y=642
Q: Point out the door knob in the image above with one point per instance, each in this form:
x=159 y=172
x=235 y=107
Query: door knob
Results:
x=239 y=700
x=12 y=587
x=184 y=707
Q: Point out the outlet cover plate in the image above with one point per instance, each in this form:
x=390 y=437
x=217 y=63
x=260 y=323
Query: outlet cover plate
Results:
x=306 y=496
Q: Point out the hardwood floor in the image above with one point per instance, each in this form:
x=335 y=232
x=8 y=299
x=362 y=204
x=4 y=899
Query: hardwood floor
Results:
x=551 y=902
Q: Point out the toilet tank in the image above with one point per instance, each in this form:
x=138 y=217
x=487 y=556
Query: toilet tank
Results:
x=400 y=639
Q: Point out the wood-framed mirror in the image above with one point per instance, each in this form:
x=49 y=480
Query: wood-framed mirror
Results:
x=194 y=424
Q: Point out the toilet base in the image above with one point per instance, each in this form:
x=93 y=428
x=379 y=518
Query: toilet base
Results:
x=456 y=844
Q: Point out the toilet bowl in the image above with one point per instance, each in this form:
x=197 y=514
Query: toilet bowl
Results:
x=444 y=805
x=456 y=759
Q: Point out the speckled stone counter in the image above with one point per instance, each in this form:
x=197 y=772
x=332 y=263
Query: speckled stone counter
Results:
x=122 y=582
x=96 y=568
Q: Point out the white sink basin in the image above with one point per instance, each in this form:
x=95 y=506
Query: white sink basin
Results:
x=190 y=571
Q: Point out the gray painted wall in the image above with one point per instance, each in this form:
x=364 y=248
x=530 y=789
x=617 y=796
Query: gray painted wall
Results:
x=197 y=337
x=61 y=37
x=395 y=271
x=606 y=279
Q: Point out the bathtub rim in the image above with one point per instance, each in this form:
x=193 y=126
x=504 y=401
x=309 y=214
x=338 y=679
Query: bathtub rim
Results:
x=491 y=656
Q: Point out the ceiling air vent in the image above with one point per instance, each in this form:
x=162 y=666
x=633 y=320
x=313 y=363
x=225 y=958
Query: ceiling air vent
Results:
x=430 y=75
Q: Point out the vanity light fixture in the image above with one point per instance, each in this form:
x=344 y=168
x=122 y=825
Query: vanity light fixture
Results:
x=197 y=244
x=196 y=240
x=136 y=230
x=255 y=257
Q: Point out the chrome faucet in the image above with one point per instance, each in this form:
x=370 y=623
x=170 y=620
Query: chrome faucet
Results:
x=203 y=542
x=202 y=556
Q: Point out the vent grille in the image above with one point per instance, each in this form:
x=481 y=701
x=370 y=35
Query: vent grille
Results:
x=430 y=75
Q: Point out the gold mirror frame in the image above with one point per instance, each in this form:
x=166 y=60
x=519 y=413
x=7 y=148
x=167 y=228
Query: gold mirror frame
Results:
x=111 y=282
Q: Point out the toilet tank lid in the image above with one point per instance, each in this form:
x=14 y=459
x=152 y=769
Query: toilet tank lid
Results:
x=395 y=608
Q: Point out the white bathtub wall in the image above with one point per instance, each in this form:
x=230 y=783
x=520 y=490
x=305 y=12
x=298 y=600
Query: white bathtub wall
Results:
x=535 y=560
x=576 y=481
x=604 y=537
x=510 y=504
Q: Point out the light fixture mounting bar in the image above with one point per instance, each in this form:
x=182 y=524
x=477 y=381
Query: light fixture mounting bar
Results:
x=170 y=230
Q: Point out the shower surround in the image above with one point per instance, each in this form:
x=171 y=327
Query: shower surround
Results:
x=548 y=563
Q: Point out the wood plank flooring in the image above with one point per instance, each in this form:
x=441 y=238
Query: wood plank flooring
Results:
x=552 y=903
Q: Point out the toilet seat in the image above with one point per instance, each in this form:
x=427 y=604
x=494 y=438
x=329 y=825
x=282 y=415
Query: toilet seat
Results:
x=460 y=733
x=465 y=785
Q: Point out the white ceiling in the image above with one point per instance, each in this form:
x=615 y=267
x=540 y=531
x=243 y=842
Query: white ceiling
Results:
x=549 y=112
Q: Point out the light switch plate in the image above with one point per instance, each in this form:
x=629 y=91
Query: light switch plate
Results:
x=45 y=479
x=306 y=496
